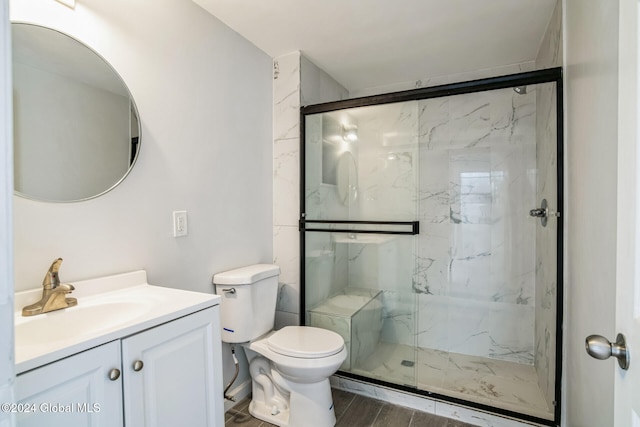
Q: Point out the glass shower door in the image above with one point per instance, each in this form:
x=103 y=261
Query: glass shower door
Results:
x=487 y=276
x=419 y=244
x=359 y=224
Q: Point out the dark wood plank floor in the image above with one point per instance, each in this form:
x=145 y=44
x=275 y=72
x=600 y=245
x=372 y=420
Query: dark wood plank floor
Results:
x=353 y=410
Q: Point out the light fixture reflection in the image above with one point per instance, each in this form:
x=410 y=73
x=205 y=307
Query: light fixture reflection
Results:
x=350 y=133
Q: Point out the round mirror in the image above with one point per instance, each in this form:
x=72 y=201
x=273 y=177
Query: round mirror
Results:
x=76 y=128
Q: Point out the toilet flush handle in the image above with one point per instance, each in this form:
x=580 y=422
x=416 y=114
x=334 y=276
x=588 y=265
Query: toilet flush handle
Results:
x=229 y=290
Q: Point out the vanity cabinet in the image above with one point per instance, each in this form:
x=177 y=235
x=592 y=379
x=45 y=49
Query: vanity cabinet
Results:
x=169 y=375
x=175 y=383
x=72 y=392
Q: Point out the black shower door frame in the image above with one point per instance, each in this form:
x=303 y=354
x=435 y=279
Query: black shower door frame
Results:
x=549 y=75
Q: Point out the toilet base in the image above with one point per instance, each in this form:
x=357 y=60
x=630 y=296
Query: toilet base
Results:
x=260 y=411
x=307 y=402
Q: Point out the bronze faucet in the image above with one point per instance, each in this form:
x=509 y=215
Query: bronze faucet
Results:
x=53 y=293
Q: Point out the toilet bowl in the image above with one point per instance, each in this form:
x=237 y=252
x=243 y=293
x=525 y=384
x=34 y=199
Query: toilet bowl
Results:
x=295 y=364
x=289 y=368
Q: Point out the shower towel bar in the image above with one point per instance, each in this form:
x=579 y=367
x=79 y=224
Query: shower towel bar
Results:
x=413 y=227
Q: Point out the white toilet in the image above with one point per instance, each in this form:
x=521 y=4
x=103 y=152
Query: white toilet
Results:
x=289 y=368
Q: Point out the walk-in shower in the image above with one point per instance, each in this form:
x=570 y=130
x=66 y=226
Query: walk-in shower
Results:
x=422 y=242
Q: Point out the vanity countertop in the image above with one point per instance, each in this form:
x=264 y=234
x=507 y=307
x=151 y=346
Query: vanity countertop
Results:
x=109 y=308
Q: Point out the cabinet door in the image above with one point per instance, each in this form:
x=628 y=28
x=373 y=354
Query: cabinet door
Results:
x=172 y=373
x=73 y=392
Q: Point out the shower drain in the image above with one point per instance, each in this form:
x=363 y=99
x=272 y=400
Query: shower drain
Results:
x=406 y=363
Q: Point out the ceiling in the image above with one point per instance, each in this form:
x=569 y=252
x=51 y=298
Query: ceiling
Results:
x=372 y=43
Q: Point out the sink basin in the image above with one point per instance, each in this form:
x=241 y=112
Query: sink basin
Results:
x=76 y=322
x=109 y=308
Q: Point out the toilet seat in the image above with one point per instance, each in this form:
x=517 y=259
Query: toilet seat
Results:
x=305 y=342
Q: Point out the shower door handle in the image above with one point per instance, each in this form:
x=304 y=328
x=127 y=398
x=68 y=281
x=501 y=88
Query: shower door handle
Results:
x=543 y=212
x=538 y=213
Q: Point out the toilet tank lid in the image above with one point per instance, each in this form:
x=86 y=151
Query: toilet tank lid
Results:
x=246 y=275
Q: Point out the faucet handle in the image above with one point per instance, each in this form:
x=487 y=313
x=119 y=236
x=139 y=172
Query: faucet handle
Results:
x=67 y=287
x=51 y=279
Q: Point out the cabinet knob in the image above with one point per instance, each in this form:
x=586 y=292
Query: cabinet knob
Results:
x=114 y=374
x=138 y=365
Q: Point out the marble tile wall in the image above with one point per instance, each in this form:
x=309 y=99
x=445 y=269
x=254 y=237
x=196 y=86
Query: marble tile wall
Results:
x=475 y=263
x=387 y=183
x=379 y=261
x=297 y=82
x=549 y=55
x=387 y=161
x=465 y=166
x=286 y=134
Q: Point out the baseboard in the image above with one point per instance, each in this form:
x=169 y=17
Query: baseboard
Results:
x=239 y=393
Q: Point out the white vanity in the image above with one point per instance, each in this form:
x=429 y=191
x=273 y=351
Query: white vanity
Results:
x=128 y=354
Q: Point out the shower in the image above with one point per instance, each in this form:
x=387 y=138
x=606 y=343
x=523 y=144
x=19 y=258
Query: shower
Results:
x=418 y=248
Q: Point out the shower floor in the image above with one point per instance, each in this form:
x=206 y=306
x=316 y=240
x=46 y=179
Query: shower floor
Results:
x=506 y=385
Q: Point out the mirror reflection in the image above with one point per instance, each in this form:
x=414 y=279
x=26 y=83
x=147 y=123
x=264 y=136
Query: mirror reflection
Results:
x=76 y=128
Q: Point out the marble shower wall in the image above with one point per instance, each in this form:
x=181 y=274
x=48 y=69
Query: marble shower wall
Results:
x=465 y=167
x=387 y=159
x=297 y=82
x=549 y=55
x=326 y=263
x=474 y=276
x=386 y=155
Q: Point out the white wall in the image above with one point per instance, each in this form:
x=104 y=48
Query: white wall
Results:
x=591 y=84
x=205 y=100
x=7 y=371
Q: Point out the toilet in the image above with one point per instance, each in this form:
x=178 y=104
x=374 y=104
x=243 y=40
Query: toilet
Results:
x=290 y=368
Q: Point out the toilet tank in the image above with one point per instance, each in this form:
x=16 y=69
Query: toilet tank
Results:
x=248 y=305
